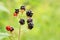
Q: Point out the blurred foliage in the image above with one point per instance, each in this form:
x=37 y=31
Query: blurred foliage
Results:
x=46 y=19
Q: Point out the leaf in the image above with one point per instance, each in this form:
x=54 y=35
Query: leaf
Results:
x=3 y=8
x=3 y=35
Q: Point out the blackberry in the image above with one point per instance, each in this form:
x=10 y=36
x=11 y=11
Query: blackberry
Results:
x=22 y=7
x=16 y=10
x=22 y=21
x=30 y=25
x=29 y=20
x=11 y=29
x=29 y=13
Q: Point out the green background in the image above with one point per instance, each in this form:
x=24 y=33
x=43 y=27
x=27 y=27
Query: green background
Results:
x=46 y=19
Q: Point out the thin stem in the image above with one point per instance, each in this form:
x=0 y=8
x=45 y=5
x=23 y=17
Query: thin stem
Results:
x=19 y=33
x=20 y=28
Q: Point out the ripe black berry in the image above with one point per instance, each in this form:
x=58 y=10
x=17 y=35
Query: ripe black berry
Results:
x=11 y=29
x=29 y=13
x=22 y=7
x=29 y=20
x=16 y=10
x=30 y=25
x=22 y=21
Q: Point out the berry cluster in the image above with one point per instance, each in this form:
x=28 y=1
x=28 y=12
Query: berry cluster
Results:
x=29 y=14
x=29 y=20
x=9 y=28
x=22 y=9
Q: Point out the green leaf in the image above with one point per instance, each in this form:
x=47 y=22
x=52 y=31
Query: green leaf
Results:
x=3 y=35
x=3 y=8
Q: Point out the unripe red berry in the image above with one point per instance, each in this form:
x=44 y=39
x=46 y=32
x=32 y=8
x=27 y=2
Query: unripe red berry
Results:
x=8 y=28
x=15 y=14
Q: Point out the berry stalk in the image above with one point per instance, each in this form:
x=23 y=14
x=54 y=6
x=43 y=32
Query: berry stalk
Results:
x=19 y=33
x=22 y=22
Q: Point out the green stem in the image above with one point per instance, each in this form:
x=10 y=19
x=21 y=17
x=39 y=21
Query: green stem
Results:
x=20 y=28
x=19 y=33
